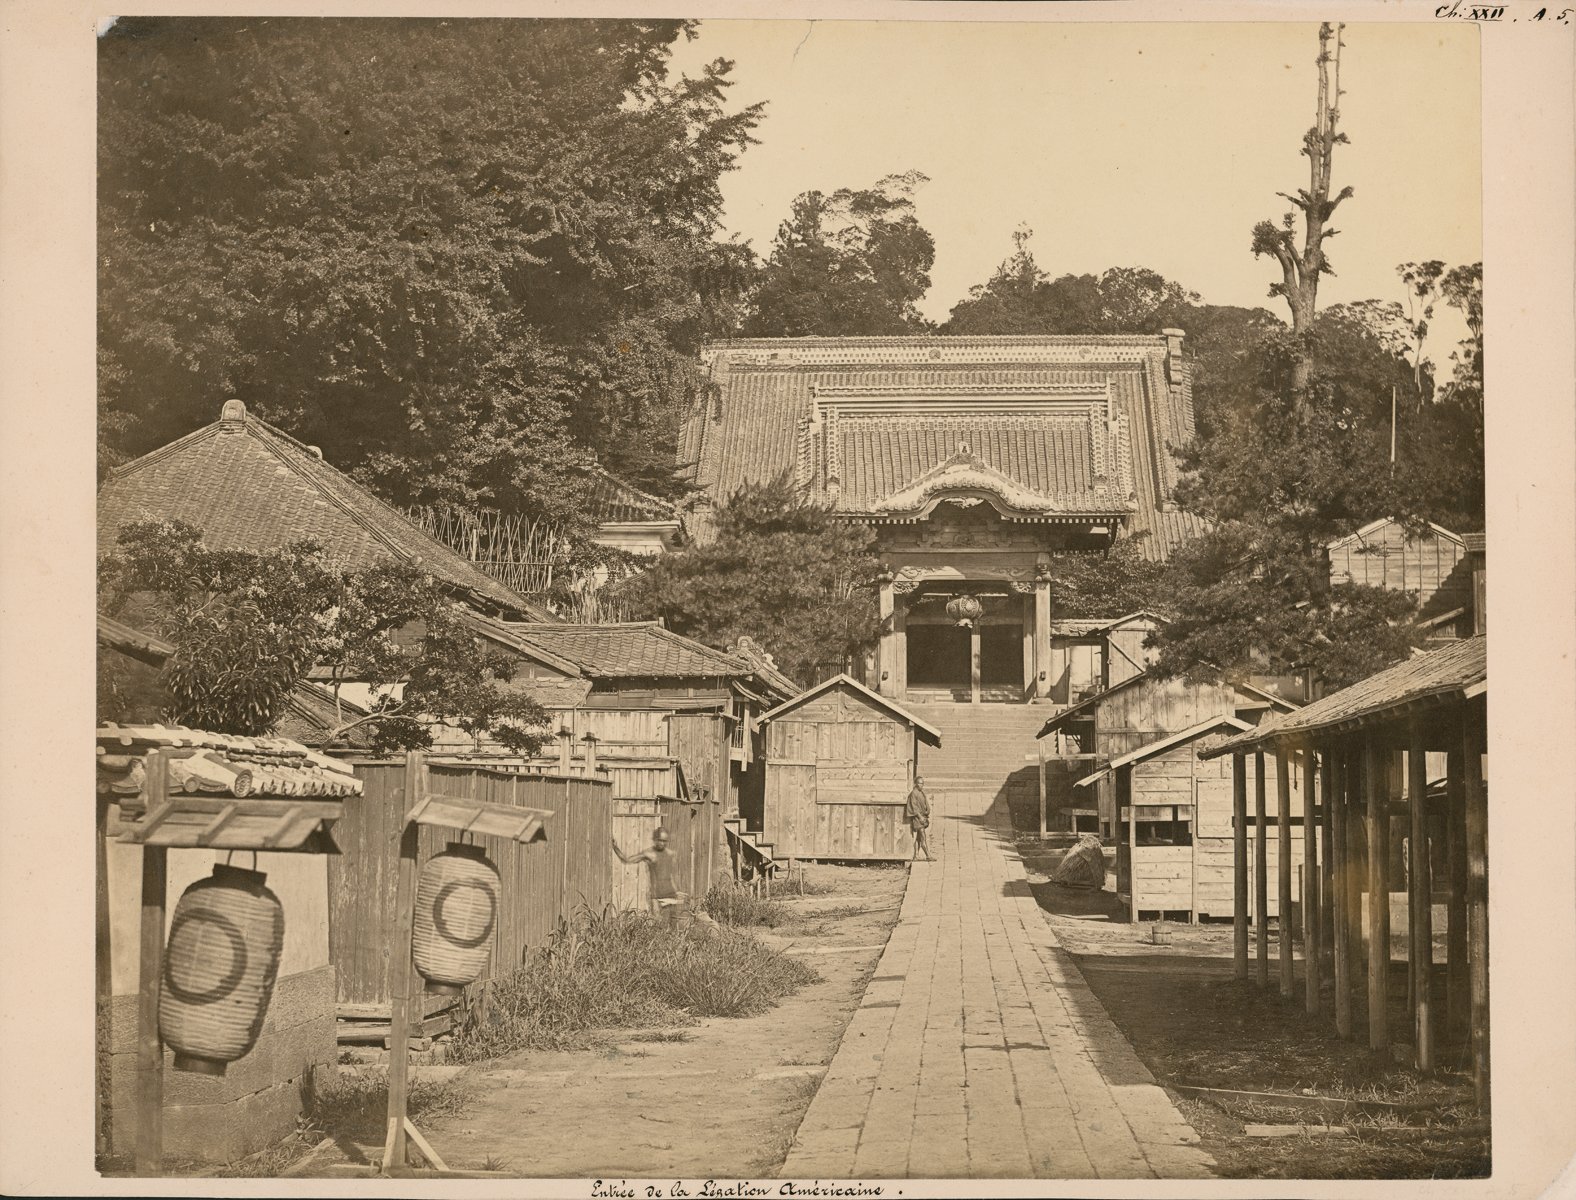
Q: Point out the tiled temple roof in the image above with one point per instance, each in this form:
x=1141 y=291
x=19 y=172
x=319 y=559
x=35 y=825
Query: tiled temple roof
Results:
x=636 y=649
x=614 y=500
x=751 y=429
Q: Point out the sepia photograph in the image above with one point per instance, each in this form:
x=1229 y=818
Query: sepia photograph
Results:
x=804 y=606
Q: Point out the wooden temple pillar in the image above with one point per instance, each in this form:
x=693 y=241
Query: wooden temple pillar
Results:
x=1283 y=753
x=974 y=663
x=886 y=648
x=1420 y=899
x=1261 y=875
x=1042 y=637
x=1356 y=859
x=1310 y=886
x=1376 y=783
x=1239 y=864
x=1329 y=784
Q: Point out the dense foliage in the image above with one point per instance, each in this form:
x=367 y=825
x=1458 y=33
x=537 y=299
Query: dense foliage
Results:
x=248 y=627
x=462 y=257
x=782 y=571
x=849 y=264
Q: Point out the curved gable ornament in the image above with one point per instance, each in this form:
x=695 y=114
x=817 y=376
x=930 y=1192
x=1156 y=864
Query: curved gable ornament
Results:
x=968 y=479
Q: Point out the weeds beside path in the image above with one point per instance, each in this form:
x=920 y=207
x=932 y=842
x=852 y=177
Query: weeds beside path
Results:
x=678 y=1095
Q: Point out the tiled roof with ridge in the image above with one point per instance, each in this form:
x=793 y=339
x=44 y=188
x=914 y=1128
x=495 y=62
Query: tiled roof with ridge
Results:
x=631 y=650
x=613 y=500
x=249 y=486
x=748 y=429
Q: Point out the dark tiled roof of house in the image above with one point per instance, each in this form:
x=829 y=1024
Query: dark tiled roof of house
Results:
x=613 y=500
x=1475 y=543
x=630 y=650
x=1451 y=671
x=749 y=431
x=248 y=486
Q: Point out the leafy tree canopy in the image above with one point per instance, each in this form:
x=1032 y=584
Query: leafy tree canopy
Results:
x=782 y=571
x=463 y=257
x=248 y=627
x=1020 y=298
x=854 y=263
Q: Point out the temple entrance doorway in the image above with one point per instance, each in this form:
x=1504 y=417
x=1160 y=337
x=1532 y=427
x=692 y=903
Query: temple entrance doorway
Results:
x=982 y=662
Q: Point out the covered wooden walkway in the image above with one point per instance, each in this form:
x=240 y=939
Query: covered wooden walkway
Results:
x=1364 y=757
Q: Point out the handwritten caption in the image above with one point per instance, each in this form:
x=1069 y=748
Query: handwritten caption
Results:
x=1502 y=13
x=716 y=1189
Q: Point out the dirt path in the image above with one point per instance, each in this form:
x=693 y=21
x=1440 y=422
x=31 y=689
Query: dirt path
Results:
x=726 y=1100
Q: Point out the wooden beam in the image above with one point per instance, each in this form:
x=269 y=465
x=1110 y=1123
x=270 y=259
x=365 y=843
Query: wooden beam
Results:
x=1124 y=797
x=1283 y=865
x=1039 y=746
x=1376 y=778
x=1338 y=894
x=102 y=978
x=1239 y=864
x=1457 y=984
x=149 y=1149
x=1310 y=885
x=401 y=976
x=974 y=662
x=1356 y=867
x=1421 y=901
x=1261 y=875
x=1473 y=746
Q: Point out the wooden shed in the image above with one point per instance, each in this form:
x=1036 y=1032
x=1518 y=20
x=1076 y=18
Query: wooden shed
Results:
x=1175 y=827
x=839 y=765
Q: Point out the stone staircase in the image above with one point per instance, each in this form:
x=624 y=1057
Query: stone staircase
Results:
x=983 y=746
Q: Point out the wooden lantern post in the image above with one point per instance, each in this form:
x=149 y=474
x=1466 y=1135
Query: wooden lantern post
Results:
x=448 y=812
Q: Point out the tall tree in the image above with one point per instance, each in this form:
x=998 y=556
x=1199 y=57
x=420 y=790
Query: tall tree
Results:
x=788 y=573
x=463 y=257
x=849 y=264
x=1302 y=268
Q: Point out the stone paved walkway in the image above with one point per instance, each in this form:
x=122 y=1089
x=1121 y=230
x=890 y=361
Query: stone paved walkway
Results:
x=978 y=1050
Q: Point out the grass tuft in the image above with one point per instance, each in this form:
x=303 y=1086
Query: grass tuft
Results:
x=624 y=970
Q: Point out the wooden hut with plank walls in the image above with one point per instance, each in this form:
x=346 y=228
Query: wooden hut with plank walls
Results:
x=1084 y=738
x=840 y=761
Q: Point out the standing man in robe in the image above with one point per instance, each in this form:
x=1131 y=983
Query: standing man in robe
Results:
x=917 y=812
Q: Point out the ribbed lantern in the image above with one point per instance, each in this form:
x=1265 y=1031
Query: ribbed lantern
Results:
x=456 y=909
x=965 y=610
x=219 y=968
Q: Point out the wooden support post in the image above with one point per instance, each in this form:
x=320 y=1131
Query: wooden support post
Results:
x=1039 y=745
x=1329 y=785
x=1124 y=795
x=401 y=976
x=149 y=1150
x=1283 y=754
x=974 y=662
x=1310 y=884
x=1477 y=901
x=1042 y=636
x=1457 y=985
x=1376 y=783
x=1261 y=874
x=1239 y=864
x=1338 y=901
x=886 y=644
x=102 y=980
x=1421 y=901
x=1357 y=861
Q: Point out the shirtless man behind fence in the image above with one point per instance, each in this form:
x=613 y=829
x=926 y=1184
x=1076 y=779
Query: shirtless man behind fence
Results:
x=667 y=902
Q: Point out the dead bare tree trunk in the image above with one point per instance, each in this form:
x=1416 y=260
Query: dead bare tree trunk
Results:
x=1300 y=269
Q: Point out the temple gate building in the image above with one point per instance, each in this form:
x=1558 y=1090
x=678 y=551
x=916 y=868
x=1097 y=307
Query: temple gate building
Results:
x=977 y=460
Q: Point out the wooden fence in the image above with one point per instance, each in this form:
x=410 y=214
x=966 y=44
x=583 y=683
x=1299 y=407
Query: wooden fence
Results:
x=543 y=882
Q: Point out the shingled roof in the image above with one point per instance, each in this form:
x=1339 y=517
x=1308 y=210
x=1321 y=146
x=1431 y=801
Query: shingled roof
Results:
x=249 y=486
x=630 y=650
x=1458 y=670
x=1085 y=422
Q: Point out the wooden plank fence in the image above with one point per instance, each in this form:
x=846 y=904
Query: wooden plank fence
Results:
x=544 y=882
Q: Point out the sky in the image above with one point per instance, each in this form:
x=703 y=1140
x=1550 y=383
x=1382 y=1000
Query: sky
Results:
x=1156 y=145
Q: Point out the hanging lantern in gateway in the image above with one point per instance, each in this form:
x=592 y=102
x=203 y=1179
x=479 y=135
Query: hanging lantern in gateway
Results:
x=965 y=610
